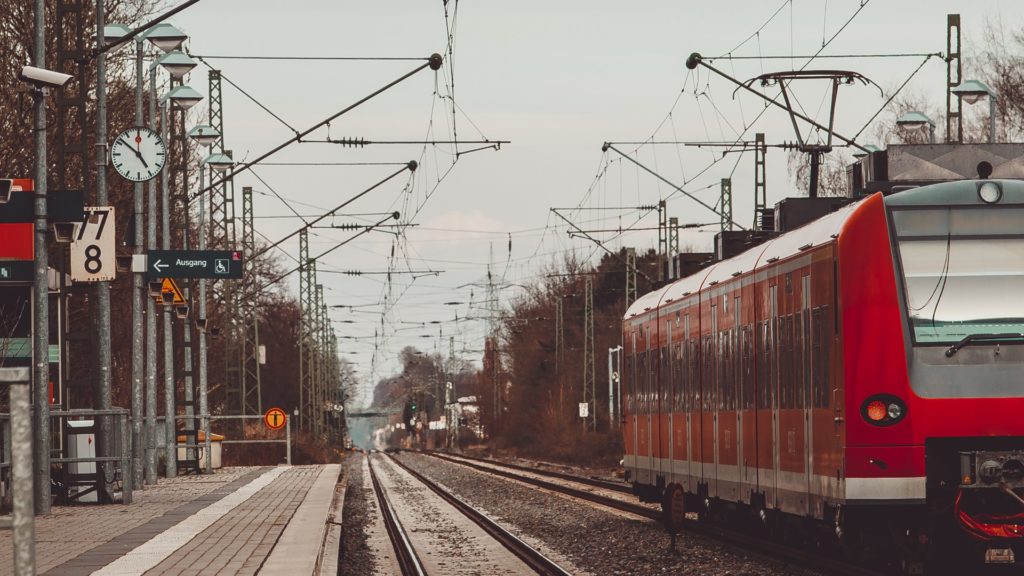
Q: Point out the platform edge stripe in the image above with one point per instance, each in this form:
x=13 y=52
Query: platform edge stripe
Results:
x=160 y=547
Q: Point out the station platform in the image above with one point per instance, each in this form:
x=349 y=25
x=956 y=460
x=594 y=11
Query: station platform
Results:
x=282 y=520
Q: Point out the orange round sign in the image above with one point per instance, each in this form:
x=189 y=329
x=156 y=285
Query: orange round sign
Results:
x=275 y=418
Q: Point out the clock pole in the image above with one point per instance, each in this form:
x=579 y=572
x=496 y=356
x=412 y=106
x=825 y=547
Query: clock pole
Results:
x=137 y=342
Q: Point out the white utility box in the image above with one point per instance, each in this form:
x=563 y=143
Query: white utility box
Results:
x=81 y=444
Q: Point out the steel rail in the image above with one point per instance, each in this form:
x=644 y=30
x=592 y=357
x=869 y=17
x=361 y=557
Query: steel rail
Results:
x=404 y=552
x=631 y=507
x=590 y=481
x=758 y=545
x=533 y=558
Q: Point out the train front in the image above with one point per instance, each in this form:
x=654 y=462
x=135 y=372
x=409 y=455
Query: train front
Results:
x=959 y=249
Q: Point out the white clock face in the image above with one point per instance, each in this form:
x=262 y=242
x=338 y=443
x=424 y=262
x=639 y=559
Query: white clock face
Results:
x=138 y=154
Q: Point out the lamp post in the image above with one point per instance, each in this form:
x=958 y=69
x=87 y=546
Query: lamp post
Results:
x=917 y=121
x=177 y=65
x=207 y=136
x=105 y=34
x=204 y=136
x=971 y=91
x=165 y=37
x=181 y=97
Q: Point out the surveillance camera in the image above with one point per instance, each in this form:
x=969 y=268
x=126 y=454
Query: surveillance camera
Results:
x=64 y=232
x=43 y=78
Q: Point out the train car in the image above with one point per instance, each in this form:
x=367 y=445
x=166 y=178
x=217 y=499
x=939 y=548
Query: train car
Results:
x=861 y=377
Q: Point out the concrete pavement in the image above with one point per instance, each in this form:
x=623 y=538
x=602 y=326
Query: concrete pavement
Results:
x=268 y=520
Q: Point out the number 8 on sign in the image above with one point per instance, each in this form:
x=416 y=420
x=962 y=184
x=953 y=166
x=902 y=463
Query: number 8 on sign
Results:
x=275 y=418
x=92 y=249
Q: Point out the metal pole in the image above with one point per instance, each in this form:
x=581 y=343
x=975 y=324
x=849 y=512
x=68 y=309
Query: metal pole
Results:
x=103 y=394
x=127 y=486
x=611 y=391
x=21 y=469
x=165 y=243
x=41 y=313
x=288 y=441
x=204 y=410
x=137 y=343
x=991 y=117
x=151 y=341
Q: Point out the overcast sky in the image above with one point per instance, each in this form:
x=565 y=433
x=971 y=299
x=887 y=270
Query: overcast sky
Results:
x=557 y=79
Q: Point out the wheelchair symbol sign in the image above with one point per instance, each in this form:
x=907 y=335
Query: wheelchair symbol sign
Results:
x=220 y=266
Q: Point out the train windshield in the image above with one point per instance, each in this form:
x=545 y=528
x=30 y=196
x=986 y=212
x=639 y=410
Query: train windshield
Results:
x=963 y=270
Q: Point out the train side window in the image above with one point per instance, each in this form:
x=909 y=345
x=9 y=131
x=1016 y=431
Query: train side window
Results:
x=679 y=377
x=747 y=381
x=786 y=361
x=694 y=394
x=724 y=372
x=817 y=384
x=762 y=366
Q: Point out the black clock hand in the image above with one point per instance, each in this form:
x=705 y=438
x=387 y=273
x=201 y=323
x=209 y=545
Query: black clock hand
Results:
x=136 y=151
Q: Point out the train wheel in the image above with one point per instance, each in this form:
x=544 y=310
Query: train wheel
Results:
x=674 y=508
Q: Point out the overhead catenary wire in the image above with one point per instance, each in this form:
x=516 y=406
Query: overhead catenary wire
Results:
x=434 y=62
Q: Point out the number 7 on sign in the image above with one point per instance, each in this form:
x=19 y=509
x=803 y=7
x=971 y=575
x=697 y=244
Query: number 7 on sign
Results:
x=94 y=216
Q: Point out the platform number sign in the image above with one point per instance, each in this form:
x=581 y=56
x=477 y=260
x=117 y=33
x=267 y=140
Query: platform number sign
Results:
x=92 y=250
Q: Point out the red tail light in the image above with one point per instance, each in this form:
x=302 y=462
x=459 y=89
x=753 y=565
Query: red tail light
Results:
x=876 y=411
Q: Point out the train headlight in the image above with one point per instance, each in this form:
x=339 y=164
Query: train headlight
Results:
x=990 y=192
x=894 y=411
x=883 y=410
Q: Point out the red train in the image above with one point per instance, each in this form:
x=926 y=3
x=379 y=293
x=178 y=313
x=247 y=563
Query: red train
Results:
x=859 y=380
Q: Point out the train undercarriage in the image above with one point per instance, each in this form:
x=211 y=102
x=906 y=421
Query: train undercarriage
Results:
x=972 y=521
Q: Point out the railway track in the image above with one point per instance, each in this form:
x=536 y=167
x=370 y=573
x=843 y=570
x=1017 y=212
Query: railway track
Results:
x=406 y=553
x=408 y=561
x=750 y=542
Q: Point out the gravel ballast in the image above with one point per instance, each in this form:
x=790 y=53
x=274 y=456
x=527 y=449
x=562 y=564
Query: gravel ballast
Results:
x=594 y=539
x=356 y=555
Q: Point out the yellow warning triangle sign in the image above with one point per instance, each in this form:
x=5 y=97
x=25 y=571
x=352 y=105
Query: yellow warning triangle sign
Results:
x=169 y=285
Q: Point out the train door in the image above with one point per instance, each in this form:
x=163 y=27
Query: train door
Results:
x=715 y=375
x=691 y=399
x=667 y=406
x=773 y=391
x=806 y=345
x=632 y=400
x=649 y=402
x=739 y=365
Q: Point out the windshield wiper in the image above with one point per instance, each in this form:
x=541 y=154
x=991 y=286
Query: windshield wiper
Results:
x=980 y=338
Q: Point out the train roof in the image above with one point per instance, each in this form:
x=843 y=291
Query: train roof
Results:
x=959 y=192
x=820 y=231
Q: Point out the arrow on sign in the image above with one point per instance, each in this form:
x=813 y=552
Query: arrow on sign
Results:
x=160 y=267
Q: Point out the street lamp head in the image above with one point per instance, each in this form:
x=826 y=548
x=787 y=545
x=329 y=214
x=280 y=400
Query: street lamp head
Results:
x=219 y=161
x=113 y=33
x=177 y=63
x=869 y=149
x=914 y=120
x=971 y=91
x=181 y=311
x=165 y=37
x=184 y=97
x=204 y=135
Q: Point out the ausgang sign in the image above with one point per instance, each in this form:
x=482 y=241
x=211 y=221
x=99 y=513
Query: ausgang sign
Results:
x=194 y=264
